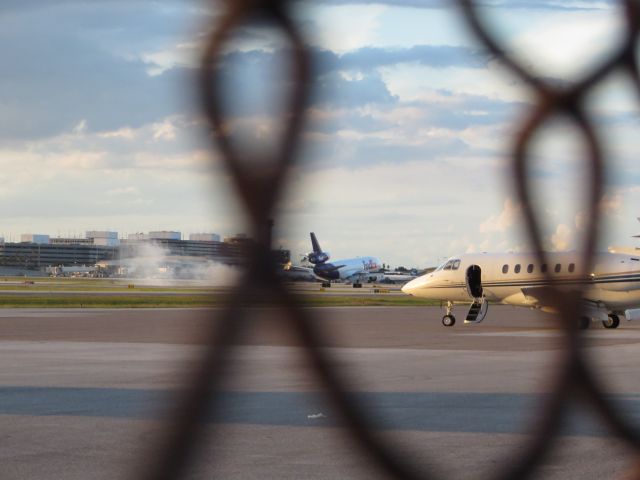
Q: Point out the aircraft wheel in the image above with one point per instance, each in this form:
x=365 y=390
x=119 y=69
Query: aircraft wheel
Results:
x=448 y=320
x=584 y=323
x=613 y=321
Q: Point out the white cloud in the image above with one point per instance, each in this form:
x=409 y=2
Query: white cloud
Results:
x=80 y=128
x=563 y=238
x=412 y=82
x=164 y=131
x=565 y=43
x=184 y=54
x=125 y=132
x=340 y=31
x=611 y=204
x=506 y=219
x=411 y=180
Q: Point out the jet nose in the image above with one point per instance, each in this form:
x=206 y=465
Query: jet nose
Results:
x=410 y=287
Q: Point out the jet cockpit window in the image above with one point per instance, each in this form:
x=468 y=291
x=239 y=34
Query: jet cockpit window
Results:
x=452 y=264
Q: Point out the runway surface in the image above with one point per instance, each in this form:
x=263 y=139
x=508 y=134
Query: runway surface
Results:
x=83 y=393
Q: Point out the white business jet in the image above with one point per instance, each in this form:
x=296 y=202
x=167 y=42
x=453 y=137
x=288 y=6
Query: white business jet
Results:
x=519 y=279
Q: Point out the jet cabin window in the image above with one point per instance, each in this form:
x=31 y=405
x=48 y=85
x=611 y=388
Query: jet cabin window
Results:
x=572 y=267
x=517 y=268
x=558 y=268
x=505 y=269
x=543 y=268
x=530 y=268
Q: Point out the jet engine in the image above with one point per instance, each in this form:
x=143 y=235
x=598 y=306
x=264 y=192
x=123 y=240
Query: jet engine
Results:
x=318 y=257
x=632 y=314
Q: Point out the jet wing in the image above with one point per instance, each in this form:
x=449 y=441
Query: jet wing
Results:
x=541 y=297
x=538 y=296
x=298 y=268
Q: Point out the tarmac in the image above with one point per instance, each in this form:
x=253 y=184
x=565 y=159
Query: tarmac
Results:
x=85 y=393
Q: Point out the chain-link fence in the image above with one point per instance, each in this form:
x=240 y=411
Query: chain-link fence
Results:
x=260 y=188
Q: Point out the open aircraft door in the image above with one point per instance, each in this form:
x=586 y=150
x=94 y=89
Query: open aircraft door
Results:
x=480 y=306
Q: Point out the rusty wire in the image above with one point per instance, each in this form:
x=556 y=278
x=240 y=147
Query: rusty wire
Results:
x=260 y=189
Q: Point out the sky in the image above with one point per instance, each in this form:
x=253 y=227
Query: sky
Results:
x=406 y=152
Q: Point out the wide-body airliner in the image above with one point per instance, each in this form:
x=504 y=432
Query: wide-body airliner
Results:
x=519 y=279
x=353 y=270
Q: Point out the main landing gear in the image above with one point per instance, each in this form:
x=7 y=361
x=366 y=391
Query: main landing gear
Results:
x=613 y=322
x=449 y=320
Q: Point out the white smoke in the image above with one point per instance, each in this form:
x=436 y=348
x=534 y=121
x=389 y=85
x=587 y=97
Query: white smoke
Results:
x=153 y=264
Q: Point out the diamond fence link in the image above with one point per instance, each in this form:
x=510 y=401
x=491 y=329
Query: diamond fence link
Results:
x=260 y=188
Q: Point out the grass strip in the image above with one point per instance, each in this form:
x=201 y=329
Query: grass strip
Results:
x=103 y=288
x=108 y=301
x=185 y=301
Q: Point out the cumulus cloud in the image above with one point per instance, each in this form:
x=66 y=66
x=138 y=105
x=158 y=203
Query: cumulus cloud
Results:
x=609 y=205
x=369 y=58
x=350 y=79
x=563 y=238
x=100 y=99
x=126 y=132
x=164 y=131
x=506 y=219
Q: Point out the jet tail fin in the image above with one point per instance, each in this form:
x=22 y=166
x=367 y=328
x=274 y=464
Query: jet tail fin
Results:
x=317 y=256
x=315 y=244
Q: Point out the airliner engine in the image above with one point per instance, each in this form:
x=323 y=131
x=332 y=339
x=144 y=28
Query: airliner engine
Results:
x=318 y=257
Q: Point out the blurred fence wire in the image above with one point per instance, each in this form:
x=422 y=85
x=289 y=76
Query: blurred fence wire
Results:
x=260 y=188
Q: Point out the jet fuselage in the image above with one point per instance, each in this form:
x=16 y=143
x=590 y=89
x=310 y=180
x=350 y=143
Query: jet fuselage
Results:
x=513 y=278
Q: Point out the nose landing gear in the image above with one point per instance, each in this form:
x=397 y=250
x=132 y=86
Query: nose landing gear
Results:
x=449 y=320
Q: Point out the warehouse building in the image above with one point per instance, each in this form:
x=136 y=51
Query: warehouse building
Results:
x=37 y=256
x=223 y=252
x=204 y=237
x=39 y=251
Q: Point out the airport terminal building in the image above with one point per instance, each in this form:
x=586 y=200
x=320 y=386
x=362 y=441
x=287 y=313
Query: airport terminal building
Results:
x=39 y=252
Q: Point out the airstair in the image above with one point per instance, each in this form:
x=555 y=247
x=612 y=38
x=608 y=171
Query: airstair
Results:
x=477 y=311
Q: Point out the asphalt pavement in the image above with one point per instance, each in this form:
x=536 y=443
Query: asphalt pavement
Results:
x=85 y=393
